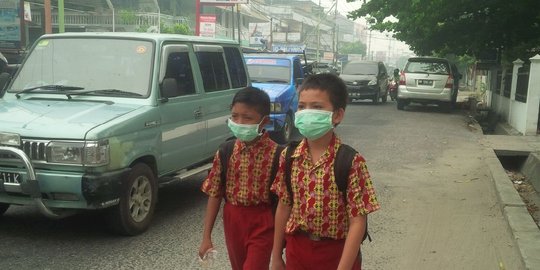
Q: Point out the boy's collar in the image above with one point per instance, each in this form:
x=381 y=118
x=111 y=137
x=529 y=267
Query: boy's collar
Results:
x=302 y=147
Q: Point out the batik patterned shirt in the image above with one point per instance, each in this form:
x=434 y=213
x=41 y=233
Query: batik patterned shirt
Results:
x=248 y=173
x=318 y=205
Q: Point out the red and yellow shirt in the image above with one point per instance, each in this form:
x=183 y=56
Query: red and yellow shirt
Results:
x=318 y=206
x=248 y=173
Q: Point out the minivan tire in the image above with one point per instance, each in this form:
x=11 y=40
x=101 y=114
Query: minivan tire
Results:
x=284 y=135
x=138 y=197
x=3 y=208
x=400 y=104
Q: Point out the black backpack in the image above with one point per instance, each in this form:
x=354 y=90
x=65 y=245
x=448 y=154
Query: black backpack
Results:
x=225 y=152
x=342 y=165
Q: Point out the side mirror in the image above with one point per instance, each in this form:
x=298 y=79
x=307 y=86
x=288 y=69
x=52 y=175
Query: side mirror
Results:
x=4 y=80
x=169 y=88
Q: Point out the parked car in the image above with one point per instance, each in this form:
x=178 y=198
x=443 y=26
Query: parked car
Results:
x=428 y=80
x=101 y=120
x=319 y=67
x=279 y=75
x=366 y=80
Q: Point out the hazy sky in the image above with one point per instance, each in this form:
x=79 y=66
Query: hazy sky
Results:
x=379 y=41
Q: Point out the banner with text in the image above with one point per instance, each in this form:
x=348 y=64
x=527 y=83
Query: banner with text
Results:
x=207 y=25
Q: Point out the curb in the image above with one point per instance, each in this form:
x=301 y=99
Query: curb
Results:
x=526 y=233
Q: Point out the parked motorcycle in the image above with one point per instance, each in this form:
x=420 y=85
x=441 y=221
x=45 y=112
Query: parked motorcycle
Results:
x=393 y=85
x=392 y=89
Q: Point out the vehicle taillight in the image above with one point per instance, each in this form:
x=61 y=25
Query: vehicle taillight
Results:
x=402 y=78
x=449 y=82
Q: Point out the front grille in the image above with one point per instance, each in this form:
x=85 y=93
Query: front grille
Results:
x=358 y=83
x=34 y=149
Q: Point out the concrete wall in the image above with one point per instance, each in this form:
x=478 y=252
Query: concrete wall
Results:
x=521 y=116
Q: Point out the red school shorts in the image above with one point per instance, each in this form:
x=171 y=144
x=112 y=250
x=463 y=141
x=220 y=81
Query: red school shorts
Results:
x=249 y=235
x=302 y=253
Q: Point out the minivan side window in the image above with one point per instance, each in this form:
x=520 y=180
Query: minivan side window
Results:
x=179 y=69
x=212 y=67
x=237 y=70
x=297 y=69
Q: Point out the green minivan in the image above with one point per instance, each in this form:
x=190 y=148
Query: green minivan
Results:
x=101 y=120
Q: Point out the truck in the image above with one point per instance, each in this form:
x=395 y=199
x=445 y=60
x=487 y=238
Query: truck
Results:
x=96 y=121
x=279 y=75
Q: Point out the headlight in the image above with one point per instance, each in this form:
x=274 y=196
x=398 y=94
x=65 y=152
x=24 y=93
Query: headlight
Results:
x=92 y=153
x=372 y=82
x=275 y=107
x=10 y=139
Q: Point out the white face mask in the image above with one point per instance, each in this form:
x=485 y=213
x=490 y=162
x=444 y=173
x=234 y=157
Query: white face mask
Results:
x=313 y=124
x=244 y=132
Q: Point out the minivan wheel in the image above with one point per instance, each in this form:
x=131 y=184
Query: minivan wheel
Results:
x=3 y=208
x=138 y=198
x=284 y=135
x=400 y=104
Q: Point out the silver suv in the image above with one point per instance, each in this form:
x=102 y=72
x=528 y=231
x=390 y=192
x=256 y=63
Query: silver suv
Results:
x=427 y=80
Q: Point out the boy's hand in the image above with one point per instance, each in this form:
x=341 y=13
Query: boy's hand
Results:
x=277 y=264
x=205 y=246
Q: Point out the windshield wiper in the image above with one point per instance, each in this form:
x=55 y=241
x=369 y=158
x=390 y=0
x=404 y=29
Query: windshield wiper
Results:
x=57 y=87
x=276 y=81
x=105 y=92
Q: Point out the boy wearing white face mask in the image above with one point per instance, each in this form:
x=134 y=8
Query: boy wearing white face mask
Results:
x=323 y=228
x=247 y=215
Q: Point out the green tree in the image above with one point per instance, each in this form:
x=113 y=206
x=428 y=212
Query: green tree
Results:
x=353 y=48
x=459 y=27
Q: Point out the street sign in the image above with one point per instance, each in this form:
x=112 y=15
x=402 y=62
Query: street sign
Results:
x=224 y=1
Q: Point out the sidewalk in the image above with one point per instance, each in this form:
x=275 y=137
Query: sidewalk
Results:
x=524 y=229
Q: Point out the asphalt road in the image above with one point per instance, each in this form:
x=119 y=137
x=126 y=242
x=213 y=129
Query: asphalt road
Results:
x=437 y=207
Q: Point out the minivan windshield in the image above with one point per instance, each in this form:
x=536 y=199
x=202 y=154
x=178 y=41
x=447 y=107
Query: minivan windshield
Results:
x=427 y=67
x=360 y=69
x=89 y=64
x=269 y=73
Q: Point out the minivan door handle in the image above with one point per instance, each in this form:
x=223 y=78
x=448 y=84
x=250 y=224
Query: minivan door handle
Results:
x=198 y=112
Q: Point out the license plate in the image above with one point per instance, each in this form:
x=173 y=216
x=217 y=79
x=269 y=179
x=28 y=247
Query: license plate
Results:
x=425 y=82
x=8 y=177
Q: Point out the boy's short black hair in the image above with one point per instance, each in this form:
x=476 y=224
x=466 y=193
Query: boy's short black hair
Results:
x=331 y=84
x=255 y=97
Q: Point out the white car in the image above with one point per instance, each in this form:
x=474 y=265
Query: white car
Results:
x=427 y=80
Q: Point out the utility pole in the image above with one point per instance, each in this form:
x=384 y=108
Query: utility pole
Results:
x=61 y=23
x=334 y=40
x=47 y=15
x=319 y=32
x=369 y=56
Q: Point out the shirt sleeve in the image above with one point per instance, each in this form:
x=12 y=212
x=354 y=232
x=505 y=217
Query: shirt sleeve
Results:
x=361 y=199
x=212 y=184
x=278 y=186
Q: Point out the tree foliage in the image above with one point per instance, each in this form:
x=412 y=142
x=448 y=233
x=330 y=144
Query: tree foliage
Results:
x=353 y=48
x=459 y=26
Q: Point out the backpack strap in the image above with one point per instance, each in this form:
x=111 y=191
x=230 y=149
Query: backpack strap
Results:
x=225 y=152
x=342 y=166
x=273 y=171
x=288 y=167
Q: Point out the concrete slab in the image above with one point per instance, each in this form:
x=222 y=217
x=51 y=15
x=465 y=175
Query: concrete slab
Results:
x=508 y=196
x=531 y=168
x=524 y=229
x=526 y=234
